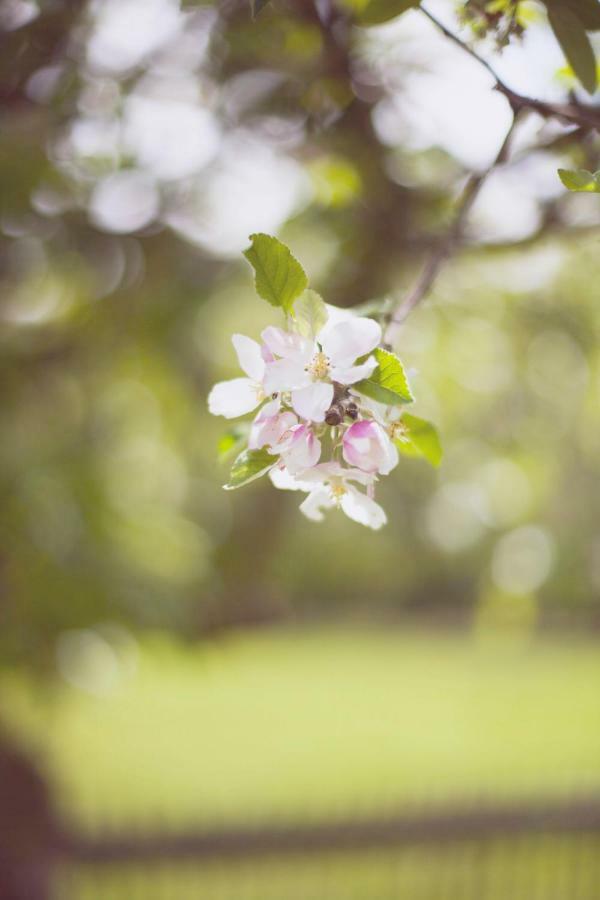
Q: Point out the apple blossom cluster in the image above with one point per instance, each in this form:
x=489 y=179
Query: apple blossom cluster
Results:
x=315 y=390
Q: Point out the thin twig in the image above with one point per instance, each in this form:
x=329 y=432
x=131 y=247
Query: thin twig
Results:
x=587 y=117
x=445 y=249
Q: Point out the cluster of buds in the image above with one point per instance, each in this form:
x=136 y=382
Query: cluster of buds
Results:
x=315 y=390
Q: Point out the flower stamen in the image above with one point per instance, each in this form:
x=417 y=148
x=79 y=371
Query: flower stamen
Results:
x=398 y=431
x=319 y=366
x=337 y=491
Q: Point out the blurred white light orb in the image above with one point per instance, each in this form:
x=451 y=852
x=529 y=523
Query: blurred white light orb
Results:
x=250 y=188
x=124 y=202
x=126 y=32
x=523 y=559
x=170 y=139
x=87 y=662
x=456 y=516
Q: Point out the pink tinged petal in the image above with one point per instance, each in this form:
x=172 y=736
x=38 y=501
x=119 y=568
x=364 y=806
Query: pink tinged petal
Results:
x=367 y=446
x=315 y=503
x=285 y=375
x=249 y=356
x=362 y=509
x=303 y=452
x=352 y=374
x=233 y=398
x=312 y=402
x=347 y=341
x=287 y=345
x=269 y=431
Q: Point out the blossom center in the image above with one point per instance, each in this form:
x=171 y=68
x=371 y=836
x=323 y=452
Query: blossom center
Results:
x=337 y=491
x=319 y=366
x=398 y=431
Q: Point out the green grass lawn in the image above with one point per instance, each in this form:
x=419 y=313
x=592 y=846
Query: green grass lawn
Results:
x=277 y=725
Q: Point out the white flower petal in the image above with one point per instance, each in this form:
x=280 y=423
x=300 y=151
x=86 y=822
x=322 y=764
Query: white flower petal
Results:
x=287 y=344
x=268 y=432
x=352 y=374
x=327 y=470
x=362 y=509
x=303 y=450
x=269 y=409
x=250 y=356
x=391 y=455
x=285 y=375
x=315 y=503
x=233 y=398
x=282 y=479
x=347 y=341
x=336 y=314
x=312 y=402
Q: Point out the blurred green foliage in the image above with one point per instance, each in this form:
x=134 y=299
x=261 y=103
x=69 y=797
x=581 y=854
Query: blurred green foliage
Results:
x=123 y=166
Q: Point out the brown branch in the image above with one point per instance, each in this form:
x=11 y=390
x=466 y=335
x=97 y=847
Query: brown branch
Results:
x=586 y=118
x=448 y=244
x=574 y=113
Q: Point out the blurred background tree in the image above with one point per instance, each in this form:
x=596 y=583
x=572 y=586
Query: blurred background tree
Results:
x=141 y=142
x=138 y=150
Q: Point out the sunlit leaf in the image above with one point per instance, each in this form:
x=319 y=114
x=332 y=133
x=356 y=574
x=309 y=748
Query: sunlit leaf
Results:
x=580 y=180
x=388 y=383
x=249 y=466
x=310 y=313
x=570 y=34
x=279 y=277
x=418 y=437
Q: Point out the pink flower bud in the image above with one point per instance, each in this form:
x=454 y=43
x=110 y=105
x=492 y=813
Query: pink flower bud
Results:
x=268 y=430
x=368 y=447
x=299 y=449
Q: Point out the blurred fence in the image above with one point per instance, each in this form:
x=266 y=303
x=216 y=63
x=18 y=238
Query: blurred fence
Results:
x=542 y=852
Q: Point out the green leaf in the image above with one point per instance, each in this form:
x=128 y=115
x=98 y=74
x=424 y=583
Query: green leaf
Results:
x=378 y=11
x=249 y=466
x=279 y=277
x=580 y=180
x=310 y=313
x=257 y=5
x=419 y=438
x=575 y=43
x=587 y=11
x=388 y=383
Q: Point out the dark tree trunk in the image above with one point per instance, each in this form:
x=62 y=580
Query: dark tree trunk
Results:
x=27 y=827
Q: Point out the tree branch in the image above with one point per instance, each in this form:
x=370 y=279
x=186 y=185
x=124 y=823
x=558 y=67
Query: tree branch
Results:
x=574 y=113
x=586 y=118
x=448 y=244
